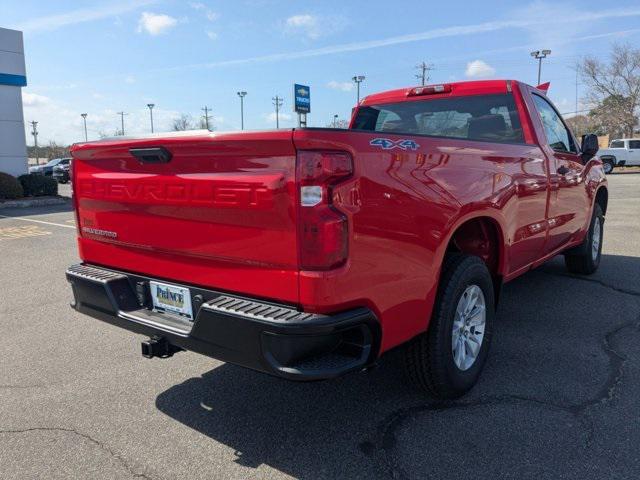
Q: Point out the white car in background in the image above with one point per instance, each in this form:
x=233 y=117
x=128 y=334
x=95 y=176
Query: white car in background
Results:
x=623 y=152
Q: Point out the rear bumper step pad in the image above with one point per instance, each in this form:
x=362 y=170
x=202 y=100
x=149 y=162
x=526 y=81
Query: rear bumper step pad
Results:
x=269 y=337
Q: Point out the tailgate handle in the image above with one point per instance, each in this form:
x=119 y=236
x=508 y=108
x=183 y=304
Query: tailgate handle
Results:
x=151 y=155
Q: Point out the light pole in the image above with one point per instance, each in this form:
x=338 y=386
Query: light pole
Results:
x=277 y=102
x=151 y=105
x=242 y=95
x=84 y=119
x=34 y=132
x=539 y=55
x=206 y=111
x=358 y=79
x=335 y=121
x=122 y=114
x=425 y=69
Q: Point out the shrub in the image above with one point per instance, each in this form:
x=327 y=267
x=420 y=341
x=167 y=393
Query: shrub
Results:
x=38 y=185
x=10 y=187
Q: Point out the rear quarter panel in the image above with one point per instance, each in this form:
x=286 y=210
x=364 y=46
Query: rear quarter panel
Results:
x=403 y=207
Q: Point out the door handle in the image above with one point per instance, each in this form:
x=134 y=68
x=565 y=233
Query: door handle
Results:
x=563 y=170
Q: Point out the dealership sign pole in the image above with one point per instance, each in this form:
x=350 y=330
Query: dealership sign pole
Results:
x=301 y=103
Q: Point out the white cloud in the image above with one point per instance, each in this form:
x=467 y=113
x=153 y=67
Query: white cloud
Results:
x=155 y=23
x=74 y=17
x=33 y=99
x=208 y=13
x=479 y=69
x=130 y=79
x=343 y=86
x=302 y=21
x=212 y=35
x=271 y=117
x=313 y=26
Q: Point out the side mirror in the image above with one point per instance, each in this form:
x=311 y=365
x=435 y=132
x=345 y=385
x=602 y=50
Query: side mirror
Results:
x=589 y=147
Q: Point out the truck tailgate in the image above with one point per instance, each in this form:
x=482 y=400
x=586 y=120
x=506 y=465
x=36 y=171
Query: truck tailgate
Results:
x=220 y=213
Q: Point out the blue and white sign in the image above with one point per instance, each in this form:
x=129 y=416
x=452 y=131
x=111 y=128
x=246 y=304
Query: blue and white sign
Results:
x=13 y=150
x=301 y=98
x=13 y=80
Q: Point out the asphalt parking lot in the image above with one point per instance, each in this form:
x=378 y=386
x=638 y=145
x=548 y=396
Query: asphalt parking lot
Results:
x=559 y=397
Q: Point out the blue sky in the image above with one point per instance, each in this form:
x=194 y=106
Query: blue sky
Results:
x=105 y=57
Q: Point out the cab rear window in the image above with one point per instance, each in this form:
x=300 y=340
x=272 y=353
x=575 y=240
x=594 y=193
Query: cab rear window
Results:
x=491 y=118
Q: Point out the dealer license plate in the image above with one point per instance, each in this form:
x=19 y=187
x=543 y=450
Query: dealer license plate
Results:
x=171 y=299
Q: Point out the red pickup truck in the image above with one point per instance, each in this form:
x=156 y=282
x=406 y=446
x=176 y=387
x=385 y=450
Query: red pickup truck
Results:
x=308 y=253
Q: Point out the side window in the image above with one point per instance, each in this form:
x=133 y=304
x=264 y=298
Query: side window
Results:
x=617 y=144
x=634 y=144
x=557 y=133
x=387 y=121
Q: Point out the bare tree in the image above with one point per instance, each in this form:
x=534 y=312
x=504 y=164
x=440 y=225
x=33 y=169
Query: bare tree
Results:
x=614 y=89
x=50 y=151
x=583 y=124
x=184 y=122
x=55 y=150
x=116 y=133
x=202 y=123
x=342 y=123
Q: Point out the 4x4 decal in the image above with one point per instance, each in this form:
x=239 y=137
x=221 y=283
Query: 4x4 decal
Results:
x=388 y=144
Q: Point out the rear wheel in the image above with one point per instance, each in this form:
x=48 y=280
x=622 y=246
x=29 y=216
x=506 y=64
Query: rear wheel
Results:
x=447 y=359
x=586 y=258
x=608 y=165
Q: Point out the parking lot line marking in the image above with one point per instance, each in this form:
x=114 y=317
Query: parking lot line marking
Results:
x=12 y=233
x=37 y=221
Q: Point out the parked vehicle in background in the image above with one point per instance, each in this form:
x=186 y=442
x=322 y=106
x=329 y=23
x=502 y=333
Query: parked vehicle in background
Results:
x=61 y=172
x=308 y=253
x=47 y=169
x=624 y=152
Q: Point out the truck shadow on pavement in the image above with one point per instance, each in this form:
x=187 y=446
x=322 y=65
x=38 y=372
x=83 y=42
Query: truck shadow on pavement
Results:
x=558 y=398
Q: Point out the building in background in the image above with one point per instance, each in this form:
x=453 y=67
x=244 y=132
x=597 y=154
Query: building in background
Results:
x=13 y=150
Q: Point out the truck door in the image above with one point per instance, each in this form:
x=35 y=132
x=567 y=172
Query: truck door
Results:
x=633 y=155
x=568 y=206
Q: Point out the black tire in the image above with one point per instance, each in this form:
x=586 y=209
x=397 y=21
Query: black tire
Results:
x=608 y=165
x=429 y=358
x=582 y=259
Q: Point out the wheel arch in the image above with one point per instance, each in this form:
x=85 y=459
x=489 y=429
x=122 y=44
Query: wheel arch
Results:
x=602 y=198
x=482 y=236
x=609 y=159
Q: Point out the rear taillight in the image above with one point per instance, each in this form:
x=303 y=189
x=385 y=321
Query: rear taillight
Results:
x=323 y=232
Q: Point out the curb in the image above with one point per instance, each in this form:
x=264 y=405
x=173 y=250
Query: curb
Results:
x=34 y=202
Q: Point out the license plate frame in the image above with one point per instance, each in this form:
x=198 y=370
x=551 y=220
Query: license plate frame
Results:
x=171 y=299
